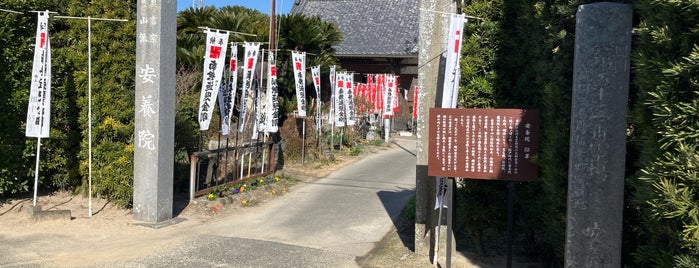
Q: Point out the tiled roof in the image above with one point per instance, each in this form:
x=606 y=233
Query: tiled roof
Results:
x=369 y=27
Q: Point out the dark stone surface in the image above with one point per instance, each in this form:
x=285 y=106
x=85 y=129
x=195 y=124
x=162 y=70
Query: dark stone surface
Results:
x=598 y=135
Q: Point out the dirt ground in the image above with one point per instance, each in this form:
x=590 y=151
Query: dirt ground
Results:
x=110 y=221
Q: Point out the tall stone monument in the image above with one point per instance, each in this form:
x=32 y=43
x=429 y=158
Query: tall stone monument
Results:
x=155 y=110
x=433 y=31
x=598 y=135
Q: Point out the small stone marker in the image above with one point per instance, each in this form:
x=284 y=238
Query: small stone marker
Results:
x=155 y=110
x=598 y=135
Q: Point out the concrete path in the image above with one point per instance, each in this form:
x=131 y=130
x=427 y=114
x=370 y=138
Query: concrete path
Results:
x=326 y=223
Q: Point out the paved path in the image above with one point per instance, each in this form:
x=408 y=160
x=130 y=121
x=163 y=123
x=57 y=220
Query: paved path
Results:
x=325 y=223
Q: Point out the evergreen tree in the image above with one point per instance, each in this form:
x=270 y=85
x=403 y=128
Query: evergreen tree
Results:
x=665 y=121
x=113 y=57
x=17 y=163
x=480 y=204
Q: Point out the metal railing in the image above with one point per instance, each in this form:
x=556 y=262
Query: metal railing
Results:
x=229 y=165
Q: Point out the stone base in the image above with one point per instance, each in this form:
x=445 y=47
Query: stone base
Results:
x=37 y=214
x=162 y=224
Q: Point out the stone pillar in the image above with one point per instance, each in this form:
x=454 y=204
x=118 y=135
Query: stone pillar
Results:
x=432 y=43
x=598 y=135
x=155 y=110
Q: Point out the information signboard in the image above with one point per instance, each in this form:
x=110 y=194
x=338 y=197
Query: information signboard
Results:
x=498 y=144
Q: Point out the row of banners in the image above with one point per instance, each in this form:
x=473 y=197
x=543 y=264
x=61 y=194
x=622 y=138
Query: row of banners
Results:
x=380 y=91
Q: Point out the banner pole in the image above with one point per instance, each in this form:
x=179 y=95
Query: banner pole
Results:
x=89 y=99
x=439 y=226
x=36 y=170
x=342 y=135
x=242 y=164
x=450 y=213
x=320 y=123
x=225 y=168
x=218 y=157
x=89 y=112
x=303 y=144
x=510 y=220
x=249 y=162
x=264 y=151
x=332 y=131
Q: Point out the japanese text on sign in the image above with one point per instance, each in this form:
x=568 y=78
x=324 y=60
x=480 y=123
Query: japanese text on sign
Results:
x=483 y=143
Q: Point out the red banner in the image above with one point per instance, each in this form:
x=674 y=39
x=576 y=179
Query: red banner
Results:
x=415 y=102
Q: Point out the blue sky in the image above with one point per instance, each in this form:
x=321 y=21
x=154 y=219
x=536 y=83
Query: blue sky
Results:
x=283 y=6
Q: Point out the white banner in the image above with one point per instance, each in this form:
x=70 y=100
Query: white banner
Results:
x=315 y=73
x=252 y=50
x=396 y=93
x=214 y=62
x=450 y=92
x=441 y=193
x=331 y=114
x=257 y=118
x=260 y=102
x=299 y=59
x=272 y=100
x=388 y=92
x=340 y=111
x=349 y=98
x=223 y=96
x=226 y=98
x=39 y=110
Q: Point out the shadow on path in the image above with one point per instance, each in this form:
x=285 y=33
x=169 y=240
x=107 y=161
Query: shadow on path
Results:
x=394 y=202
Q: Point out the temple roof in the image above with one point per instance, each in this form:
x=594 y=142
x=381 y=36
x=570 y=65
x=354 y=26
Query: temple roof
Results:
x=371 y=28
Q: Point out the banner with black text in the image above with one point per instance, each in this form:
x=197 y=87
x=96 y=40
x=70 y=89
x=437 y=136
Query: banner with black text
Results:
x=299 y=60
x=214 y=62
x=226 y=98
x=252 y=51
x=272 y=97
x=39 y=110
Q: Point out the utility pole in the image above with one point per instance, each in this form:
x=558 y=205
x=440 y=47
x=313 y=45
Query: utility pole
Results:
x=434 y=27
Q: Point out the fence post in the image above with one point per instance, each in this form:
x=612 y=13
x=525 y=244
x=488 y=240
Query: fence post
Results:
x=193 y=159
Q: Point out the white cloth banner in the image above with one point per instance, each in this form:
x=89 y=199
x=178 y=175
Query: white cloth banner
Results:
x=315 y=73
x=441 y=193
x=331 y=114
x=340 y=112
x=450 y=92
x=214 y=62
x=226 y=98
x=257 y=118
x=272 y=98
x=260 y=103
x=222 y=109
x=252 y=50
x=388 y=92
x=299 y=59
x=39 y=108
x=349 y=95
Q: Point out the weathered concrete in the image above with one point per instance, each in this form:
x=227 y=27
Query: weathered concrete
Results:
x=155 y=110
x=434 y=27
x=37 y=214
x=598 y=135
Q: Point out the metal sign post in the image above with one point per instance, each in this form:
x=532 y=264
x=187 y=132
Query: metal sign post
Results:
x=497 y=144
